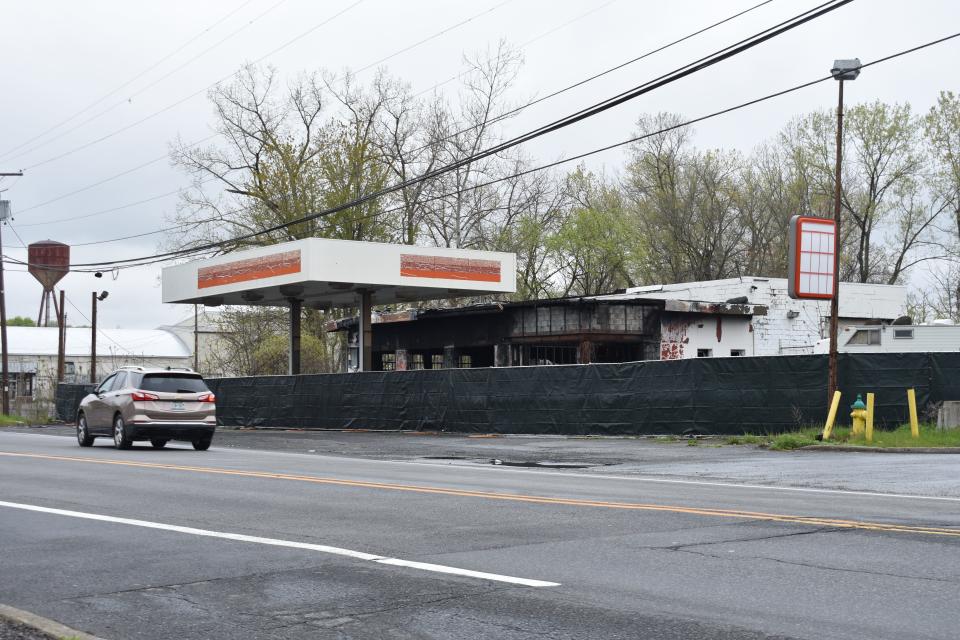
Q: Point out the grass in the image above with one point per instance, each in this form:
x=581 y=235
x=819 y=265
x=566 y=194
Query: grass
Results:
x=747 y=439
x=10 y=421
x=930 y=436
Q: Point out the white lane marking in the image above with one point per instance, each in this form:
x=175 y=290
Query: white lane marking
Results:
x=560 y=474
x=275 y=542
x=439 y=568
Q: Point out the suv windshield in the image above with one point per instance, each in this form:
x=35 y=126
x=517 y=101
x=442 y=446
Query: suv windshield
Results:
x=173 y=383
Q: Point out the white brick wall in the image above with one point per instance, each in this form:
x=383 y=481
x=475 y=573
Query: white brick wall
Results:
x=777 y=333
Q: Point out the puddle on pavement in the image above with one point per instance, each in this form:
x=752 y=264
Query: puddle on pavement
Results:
x=543 y=464
x=530 y=464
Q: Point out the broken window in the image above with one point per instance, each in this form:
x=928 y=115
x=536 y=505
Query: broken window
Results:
x=389 y=361
x=738 y=352
x=466 y=361
x=704 y=353
x=436 y=361
x=416 y=361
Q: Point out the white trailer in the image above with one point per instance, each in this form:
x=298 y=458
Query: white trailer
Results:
x=895 y=338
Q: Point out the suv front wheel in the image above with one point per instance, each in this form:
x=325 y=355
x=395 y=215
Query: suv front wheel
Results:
x=84 y=439
x=120 y=439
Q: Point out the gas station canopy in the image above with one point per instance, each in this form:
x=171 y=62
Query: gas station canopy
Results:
x=323 y=273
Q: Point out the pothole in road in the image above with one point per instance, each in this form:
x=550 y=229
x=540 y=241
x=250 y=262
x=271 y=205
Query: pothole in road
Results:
x=530 y=464
x=542 y=464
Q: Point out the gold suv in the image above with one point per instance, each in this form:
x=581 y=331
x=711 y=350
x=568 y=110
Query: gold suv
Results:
x=144 y=403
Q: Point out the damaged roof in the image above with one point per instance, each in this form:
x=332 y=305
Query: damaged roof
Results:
x=675 y=306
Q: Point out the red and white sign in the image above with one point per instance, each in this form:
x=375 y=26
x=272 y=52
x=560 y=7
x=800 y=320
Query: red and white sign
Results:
x=812 y=255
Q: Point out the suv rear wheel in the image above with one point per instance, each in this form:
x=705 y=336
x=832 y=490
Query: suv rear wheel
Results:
x=84 y=439
x=120 y=439
x=202 y=444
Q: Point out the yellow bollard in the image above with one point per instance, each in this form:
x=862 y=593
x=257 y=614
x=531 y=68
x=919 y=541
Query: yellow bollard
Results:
x=828 y=428
x=869 y=432
x=914 y=425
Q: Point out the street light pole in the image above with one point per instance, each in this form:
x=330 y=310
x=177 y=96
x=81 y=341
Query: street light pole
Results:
x=94 y=298
x=835 y=300
x=93 y=338
x=842 y=70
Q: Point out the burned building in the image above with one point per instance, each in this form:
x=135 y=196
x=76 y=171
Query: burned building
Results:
x=581 y=330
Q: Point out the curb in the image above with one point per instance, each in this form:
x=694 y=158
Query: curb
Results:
x=44 y=624
x=857 y=449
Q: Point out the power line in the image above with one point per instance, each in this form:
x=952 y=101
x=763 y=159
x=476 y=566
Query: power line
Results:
x=452 y=135
x=99 y=330
x=586 y=154
x=130 y=98
x=682 y=72
x=197 y=142
x=432 y=37
x=130 y=81
x=579 y=83
x=110 y=210
x=110 y=178
x=185 y=99
x=260 y=59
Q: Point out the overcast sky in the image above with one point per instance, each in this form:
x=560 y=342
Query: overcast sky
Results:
x=60 y=56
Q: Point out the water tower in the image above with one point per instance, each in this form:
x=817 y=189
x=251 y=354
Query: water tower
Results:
x=48 y=261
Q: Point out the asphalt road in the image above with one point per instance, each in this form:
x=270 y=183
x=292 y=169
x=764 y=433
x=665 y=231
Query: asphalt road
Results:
x=235 y=543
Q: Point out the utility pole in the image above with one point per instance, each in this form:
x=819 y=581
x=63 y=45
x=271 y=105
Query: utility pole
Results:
x=4 y=216
x=842 y=70
x=62 y=342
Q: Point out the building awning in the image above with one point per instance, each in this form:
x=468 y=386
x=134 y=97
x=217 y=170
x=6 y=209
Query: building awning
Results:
x=324 y=273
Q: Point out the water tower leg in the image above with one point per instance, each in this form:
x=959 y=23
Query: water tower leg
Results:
x=43 y=300
x=46 y=307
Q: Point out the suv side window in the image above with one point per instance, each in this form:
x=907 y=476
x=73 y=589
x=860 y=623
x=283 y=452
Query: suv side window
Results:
x=107 y=384
x=120 y=382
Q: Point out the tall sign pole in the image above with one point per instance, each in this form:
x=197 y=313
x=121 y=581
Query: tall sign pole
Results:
x=842 y=70
x=4 y=216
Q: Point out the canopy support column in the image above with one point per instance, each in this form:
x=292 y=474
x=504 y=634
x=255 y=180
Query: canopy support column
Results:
x=296 y=308
x=366 y=332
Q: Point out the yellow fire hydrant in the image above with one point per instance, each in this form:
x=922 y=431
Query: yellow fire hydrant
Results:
x=859 y=415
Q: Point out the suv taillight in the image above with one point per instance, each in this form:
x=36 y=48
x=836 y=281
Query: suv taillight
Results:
x=143 y=396
x=207 y=397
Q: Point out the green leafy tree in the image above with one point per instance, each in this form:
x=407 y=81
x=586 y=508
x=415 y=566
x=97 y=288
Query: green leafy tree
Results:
x=596 y=245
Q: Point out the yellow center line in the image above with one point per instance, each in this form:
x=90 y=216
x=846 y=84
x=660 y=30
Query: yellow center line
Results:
x=514 y=497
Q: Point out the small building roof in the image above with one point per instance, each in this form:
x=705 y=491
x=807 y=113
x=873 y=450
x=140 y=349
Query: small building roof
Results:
x=857 y=299
x=142 y=343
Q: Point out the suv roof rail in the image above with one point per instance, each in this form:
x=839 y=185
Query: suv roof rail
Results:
x=131 y=367
x=169 y=368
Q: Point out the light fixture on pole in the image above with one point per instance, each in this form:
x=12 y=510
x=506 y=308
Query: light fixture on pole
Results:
x=842 y=70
